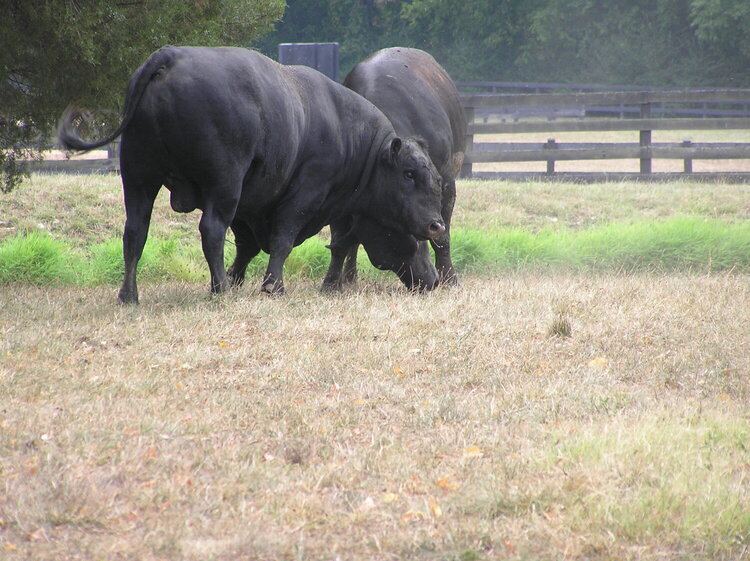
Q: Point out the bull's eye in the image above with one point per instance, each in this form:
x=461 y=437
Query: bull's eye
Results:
x=408 y=174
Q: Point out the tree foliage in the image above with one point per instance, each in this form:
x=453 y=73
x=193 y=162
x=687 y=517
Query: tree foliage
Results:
x=648 y=42
x=53 y=52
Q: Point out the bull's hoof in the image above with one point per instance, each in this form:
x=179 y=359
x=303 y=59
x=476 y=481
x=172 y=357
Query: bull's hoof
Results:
x=126 y=298
x=273 y=288
x=450 y=279
x=233 y=278
x=330 y=287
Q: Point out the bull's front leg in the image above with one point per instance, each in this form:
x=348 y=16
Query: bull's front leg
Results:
x=442 y=245
x=290 y=219
x=281 y=245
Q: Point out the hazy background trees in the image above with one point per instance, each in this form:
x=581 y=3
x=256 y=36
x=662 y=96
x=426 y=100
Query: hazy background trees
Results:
x=645 y=42
x=53 y=52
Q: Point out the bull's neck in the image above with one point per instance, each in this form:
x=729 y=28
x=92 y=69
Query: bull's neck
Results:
x=360 y=199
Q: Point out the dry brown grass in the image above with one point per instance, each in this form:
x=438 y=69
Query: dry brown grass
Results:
x=378 y=425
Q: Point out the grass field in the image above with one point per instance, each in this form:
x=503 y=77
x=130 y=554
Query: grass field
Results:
x=535 y=412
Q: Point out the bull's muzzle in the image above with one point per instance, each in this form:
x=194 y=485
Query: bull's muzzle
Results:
x=435 y=229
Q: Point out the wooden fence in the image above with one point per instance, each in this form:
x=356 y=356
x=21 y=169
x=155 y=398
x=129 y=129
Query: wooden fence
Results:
x=582 y=104
x=568 y=112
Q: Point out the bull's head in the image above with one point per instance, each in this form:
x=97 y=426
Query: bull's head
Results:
x=407 y=190
x=390 y=250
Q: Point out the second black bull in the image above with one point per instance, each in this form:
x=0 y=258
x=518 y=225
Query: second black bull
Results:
x=420 y=100
x=274 y=152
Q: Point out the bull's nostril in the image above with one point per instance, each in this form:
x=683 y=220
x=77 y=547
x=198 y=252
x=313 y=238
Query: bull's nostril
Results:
x=436 y=228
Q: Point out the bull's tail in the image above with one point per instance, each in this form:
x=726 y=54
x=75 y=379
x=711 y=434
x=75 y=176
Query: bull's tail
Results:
x=67 y=133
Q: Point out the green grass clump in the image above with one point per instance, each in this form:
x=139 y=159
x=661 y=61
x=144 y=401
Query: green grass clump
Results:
x=678 y=243
x=37 y=258
x=162 y=259
x=309 y=259
x=664 y=480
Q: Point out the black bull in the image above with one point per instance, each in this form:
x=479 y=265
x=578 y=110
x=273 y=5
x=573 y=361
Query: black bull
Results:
x=420 y=100
x=276 y=152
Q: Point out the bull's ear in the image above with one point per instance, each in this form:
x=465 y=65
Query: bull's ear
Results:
x=395 y=147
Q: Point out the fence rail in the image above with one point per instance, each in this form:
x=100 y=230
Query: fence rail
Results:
x=644 y=150
x=580 y=104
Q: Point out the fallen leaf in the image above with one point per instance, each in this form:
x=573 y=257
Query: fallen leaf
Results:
x=223 y=344
x=389 y=497
x=32 y=465
x=414 y=487
x=435 y=509
x=10 y=547
x=448 y=483
x=599 y=362
x=412 y=515
x=473 y=452
x=37 y=535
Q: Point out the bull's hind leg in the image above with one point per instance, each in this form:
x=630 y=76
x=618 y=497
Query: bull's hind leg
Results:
x=139 y=192
x=218 y=213
x=247 y=248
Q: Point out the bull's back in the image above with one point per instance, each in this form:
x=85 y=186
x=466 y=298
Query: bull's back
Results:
x=419 y=98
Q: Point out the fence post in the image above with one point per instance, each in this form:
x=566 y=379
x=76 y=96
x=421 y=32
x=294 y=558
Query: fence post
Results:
x=469 y=145
x=551 y=144
x=687 y=162
x=645 y=140
x=113 y=149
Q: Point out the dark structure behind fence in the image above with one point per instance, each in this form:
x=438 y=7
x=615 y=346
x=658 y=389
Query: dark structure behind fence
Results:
x=323 y=57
